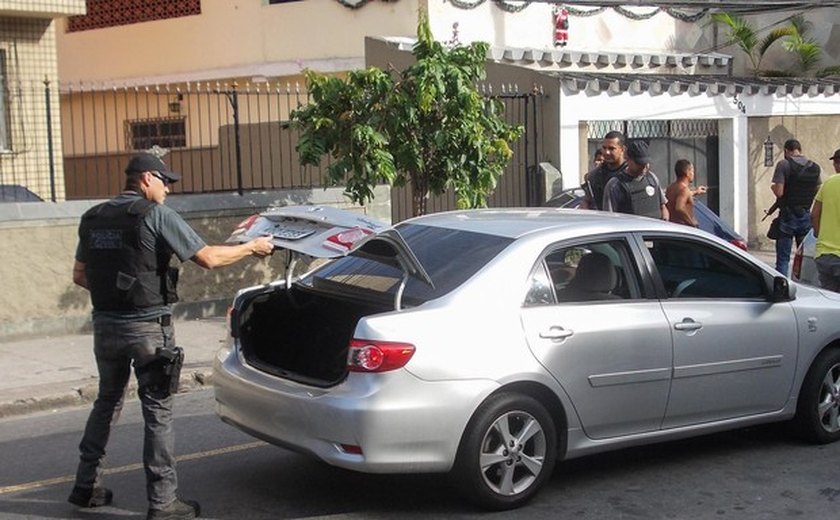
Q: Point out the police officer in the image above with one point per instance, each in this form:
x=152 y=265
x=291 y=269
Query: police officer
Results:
x=795 y=183
x=612 y=163
x=122 y=258
x=636 y=190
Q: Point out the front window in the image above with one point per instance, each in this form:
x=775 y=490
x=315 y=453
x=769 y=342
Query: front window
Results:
x=692 y=270
x=449 y=256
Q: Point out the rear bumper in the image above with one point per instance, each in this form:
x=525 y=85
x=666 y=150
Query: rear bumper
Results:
x=401 y=423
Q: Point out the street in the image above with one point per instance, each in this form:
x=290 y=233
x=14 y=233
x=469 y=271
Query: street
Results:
x=758 y=473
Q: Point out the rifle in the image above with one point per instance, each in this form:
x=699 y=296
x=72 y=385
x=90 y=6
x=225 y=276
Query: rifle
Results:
x=772 y=209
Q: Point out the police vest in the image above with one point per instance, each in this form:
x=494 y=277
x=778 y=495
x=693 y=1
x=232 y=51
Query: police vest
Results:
x=801 y=185
x=641 y=197
x=121 y=274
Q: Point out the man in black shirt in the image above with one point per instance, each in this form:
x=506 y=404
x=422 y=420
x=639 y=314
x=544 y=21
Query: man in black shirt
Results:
x=612 y=148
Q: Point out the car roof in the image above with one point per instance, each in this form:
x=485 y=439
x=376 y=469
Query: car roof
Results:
x=518 y=222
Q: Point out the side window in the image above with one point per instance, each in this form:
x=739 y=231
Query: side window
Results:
x=693 y=270
x=598 y=271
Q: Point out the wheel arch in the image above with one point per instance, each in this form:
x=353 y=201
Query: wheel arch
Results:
x=546 y=397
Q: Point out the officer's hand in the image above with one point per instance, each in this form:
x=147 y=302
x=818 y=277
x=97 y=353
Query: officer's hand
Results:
x=261 y=246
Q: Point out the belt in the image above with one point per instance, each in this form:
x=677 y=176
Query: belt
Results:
x=165 y=320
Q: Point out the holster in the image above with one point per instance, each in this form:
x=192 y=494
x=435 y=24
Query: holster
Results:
x=164 y=373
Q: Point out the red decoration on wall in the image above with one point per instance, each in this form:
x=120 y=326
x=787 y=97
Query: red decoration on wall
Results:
x=561 y=25
x=112 y=13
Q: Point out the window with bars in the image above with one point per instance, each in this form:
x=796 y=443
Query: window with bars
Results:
x=166 y=133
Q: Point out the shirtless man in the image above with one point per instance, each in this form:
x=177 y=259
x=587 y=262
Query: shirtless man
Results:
x=680 y=194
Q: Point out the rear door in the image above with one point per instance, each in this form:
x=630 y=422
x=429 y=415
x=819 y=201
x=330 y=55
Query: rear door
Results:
x=734 y=350
x=608 y=347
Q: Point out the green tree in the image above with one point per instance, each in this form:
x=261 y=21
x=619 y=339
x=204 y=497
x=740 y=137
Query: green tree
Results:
x=742 y=33
x=794 y=38
x=427 y=126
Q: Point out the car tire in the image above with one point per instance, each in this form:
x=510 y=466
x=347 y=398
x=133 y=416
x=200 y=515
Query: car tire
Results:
x=507 y=452
x=818 y=407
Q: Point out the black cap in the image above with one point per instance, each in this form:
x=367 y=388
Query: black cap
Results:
x=836 y=154
x=637 y=150
x=146 y=162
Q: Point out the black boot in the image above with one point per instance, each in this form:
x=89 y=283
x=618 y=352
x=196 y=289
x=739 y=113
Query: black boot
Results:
x=90 y=497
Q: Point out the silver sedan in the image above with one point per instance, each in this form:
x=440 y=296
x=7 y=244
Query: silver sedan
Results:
x=491 y=344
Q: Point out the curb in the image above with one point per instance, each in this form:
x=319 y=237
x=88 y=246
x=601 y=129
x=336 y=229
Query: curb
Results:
x=84 y=392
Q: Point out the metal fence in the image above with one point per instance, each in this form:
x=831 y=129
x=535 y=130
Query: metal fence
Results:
x=225 y=137
x=220 y=137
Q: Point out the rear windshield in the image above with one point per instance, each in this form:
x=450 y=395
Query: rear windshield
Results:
x=449 y=256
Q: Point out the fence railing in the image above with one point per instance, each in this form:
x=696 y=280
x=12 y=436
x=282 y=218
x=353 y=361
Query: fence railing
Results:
x=220 y=137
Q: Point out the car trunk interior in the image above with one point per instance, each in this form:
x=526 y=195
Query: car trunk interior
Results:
x=300 y=334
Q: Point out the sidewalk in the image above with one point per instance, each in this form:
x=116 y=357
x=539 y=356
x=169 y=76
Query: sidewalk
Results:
x=41 y=374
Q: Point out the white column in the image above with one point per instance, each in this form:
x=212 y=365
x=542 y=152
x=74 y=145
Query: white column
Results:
x=734 y=172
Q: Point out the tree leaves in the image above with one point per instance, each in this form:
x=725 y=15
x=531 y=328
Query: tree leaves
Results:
x=428 y=125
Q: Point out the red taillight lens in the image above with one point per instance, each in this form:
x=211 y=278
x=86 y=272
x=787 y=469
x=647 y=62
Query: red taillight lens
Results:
x=377 y=356
x=739 y=243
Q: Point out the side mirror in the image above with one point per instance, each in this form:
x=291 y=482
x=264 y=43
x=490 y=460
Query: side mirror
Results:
x=782 y=290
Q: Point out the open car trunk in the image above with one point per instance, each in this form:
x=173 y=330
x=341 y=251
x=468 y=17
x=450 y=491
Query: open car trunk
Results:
x=302 y=333
x=299 y=334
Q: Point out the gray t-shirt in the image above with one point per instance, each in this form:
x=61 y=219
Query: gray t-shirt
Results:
x=782 y=171
x=162 y=227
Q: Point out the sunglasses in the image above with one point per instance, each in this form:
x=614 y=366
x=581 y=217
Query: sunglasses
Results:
x=163 y=179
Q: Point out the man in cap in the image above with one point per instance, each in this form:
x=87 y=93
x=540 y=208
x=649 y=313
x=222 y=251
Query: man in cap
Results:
x=122 y=259
x=795 y=182
x=825 y=218
x=636 y=190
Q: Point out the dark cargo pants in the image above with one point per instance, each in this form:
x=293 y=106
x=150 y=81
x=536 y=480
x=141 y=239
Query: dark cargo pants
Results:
x=116 y=345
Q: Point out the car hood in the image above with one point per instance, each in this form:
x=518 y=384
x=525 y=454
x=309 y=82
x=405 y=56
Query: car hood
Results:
x=326 y=232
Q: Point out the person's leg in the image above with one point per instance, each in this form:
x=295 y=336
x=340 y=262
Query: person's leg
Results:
x=783 y=245
x=114 y=370
x=156 y=401
x=828 y=268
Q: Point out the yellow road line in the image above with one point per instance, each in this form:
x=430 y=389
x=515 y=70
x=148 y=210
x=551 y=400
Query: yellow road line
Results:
x=18 y=488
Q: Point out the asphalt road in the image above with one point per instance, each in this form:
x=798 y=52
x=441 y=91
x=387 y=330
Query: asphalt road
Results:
x=757 y=473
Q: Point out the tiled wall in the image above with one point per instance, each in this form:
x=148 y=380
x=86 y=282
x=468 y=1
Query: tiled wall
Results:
x=29 y=47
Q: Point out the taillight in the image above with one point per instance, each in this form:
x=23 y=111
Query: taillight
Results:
x=377 y=356
x=739 y=243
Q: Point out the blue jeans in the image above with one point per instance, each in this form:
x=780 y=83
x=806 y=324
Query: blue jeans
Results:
x=116 y=345
x=790 y=227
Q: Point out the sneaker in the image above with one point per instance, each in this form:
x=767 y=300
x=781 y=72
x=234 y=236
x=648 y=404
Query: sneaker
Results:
x=90 y=497
x=177 y=510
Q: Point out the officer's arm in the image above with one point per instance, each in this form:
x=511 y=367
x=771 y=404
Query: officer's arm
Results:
x=210 y=257
x=816 y=213
x=79 y=276
x=778 y=189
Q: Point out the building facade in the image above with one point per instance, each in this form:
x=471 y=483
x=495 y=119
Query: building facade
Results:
x=28 y=66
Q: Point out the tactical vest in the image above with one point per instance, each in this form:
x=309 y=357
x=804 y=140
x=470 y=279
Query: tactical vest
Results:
x=641 y=197
x=121 y=274
x=597 y=181
x=801 y=185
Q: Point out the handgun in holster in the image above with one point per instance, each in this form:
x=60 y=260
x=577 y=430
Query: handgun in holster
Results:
x=164 y=373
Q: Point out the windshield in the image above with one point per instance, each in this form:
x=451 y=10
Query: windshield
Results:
x=449 y=256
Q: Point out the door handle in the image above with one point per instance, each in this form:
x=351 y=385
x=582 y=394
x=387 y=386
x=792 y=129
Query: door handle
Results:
x=688 y=324
x=556 y=333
